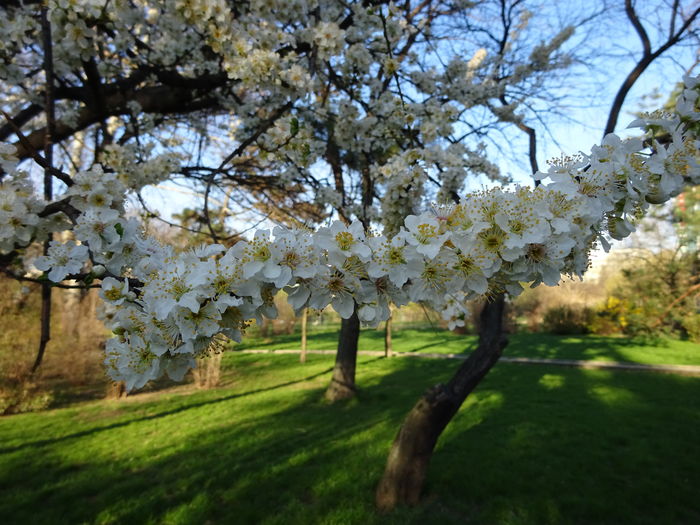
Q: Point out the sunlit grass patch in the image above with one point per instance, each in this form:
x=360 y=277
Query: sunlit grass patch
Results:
x=531 y=445
x=431 y=339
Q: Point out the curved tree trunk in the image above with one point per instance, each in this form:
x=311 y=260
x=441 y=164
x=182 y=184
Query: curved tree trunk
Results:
x=407 y=464
x=343 y=381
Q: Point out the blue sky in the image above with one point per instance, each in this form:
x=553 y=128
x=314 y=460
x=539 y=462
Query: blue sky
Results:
x=611 y=47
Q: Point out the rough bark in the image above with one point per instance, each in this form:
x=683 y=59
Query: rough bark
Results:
x=409 y=458
x=343 y=381
x=117 y=390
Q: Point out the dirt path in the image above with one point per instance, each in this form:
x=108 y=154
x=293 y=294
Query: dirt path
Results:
x=688 y=370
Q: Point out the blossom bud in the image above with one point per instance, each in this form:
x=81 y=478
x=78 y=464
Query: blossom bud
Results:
x=618 y=229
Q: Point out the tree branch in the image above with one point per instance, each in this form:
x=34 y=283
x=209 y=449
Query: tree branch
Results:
x=647 y=58
x=532 y=140
x=157 y=99
x=34 y=154
x=638 y=27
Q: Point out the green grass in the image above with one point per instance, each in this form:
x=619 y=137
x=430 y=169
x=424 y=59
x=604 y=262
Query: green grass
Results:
x=602 y=348
x=533 y=445
x=435 y=340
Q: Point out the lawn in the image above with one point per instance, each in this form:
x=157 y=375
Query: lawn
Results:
x=533 y=445
x=428 y=339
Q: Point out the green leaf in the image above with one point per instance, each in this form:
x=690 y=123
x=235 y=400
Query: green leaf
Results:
x=89 y=278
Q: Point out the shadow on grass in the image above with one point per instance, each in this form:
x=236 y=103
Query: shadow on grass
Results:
x=532 y=445
x=550 y=346
x=409 y=339
x=413 y=339
x=185 y=407
x=270 y=464
x=574 y=446
x=416 y=340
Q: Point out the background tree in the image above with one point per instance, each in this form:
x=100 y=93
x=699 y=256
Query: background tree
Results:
x=659 y=288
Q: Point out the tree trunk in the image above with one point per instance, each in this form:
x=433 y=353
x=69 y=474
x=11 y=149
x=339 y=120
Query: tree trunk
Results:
x=117 y=390
x=48 y=181
x=207 y=374
x=343 y=382
x=388 y=348
x=45 y=336
x=407 y=464
x=304 y=319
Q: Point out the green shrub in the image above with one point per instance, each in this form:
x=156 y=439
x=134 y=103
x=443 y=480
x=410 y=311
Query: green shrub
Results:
x=567 y=320
x=691 y=324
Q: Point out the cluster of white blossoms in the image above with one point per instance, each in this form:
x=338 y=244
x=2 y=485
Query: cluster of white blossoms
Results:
x=291 y=72
x=18 y=209
x=142 y=166
x=309 y=82
x=166 y=308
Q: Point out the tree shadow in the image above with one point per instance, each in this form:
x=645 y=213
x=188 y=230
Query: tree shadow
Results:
x=413 y=338
x=532 y=445
x=293 y=459
x=552 y=445
x=588 y=347
x=182 y=408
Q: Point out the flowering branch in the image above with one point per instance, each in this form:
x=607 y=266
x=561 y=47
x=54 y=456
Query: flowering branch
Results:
x=165 y=307
x=491 y=242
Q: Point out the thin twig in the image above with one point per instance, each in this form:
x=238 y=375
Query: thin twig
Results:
x=35 y=155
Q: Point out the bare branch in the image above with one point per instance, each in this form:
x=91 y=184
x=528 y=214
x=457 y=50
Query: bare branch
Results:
x=60 y=206
x=264 y=126
x=532 y=140
x=638 y=27
x=647 y=58
x=34 y=154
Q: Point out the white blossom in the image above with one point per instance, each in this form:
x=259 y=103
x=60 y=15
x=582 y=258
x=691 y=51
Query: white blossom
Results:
x=62 y=259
